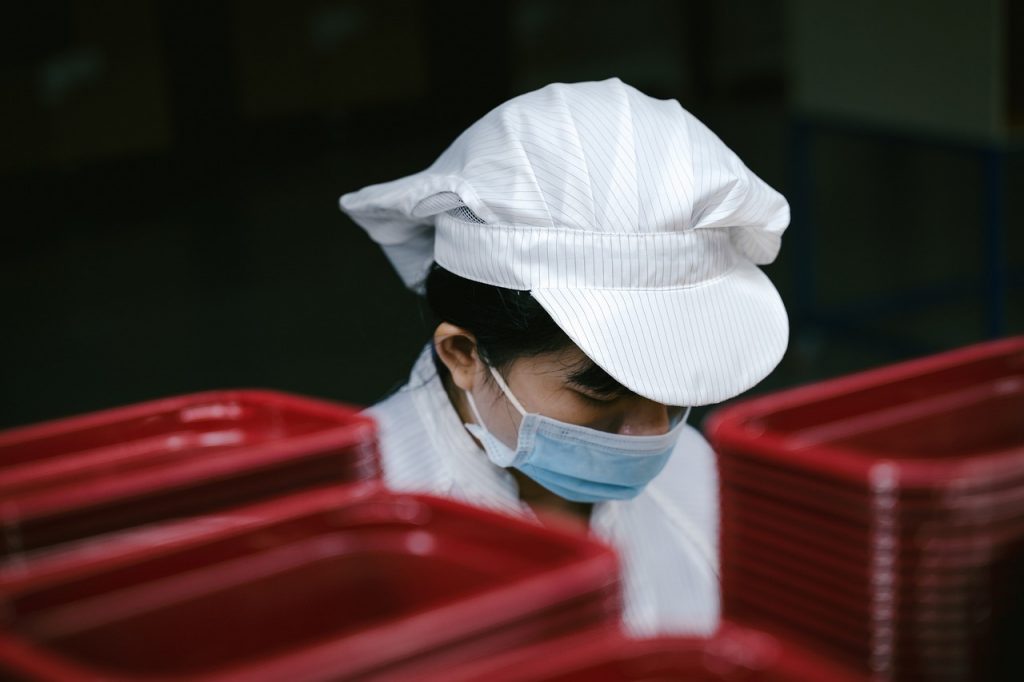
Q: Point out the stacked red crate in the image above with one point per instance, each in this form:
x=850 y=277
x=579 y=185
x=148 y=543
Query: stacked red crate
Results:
x=336 y=583
x=880 y=516
x=733 y=654
x=78 y=478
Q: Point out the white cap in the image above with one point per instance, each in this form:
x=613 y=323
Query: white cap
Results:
x=629 y=221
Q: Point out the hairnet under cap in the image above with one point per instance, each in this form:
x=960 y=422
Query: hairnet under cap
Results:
x=630 y=222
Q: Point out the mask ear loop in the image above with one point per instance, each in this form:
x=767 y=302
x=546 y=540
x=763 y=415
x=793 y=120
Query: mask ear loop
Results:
x=476 y=412
x=506 y=390
x=683 y=418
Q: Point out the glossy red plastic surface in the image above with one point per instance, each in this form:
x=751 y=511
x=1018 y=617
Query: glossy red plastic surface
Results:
x=734 y=653
x=949 y=419
x=881 y=516
x=323 y=584
x=83 y=476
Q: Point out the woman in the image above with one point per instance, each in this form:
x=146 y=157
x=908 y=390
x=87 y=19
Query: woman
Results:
x=591 y=256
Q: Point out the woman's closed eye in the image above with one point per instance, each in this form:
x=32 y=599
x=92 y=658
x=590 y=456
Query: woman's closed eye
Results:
x=595 y=385
x=597 y=399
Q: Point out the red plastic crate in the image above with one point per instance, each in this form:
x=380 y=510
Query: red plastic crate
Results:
x=880 y=516
x=948 y=419
x=733 y=653
x=76 y=478
x=334 y=583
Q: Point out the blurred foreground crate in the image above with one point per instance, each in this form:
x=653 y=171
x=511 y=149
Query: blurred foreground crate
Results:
x=734 y=653
x=337 y=583
x=77 y=478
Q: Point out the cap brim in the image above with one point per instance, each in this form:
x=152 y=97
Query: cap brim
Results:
x=697 y=345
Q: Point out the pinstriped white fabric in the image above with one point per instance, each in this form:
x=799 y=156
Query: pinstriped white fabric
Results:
x=734 y=341
x=666 y=538
x=519 y=257
x=634 y=226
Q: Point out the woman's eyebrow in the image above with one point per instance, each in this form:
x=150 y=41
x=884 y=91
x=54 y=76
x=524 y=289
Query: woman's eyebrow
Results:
x=594 y=379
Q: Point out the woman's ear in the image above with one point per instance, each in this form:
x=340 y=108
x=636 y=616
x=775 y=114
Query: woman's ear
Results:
x=457 y=349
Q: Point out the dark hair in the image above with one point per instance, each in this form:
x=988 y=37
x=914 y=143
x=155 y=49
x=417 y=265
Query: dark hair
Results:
x=508 y=324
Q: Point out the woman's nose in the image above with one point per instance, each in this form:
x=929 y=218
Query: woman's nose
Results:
x=645 y=418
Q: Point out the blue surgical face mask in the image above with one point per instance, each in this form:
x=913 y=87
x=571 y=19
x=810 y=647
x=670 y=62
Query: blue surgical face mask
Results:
x=575 y=462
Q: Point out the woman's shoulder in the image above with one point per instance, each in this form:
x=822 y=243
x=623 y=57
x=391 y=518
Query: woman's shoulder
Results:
x=689 y=483
x=668 y=537
x=392 y=408
x=406 y=447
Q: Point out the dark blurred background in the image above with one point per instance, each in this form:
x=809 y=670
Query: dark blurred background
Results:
x=170 y=174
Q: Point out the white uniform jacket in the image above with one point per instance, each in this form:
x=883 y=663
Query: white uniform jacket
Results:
x=666 y=537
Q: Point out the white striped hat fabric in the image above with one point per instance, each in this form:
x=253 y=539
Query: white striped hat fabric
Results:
x=629 y=221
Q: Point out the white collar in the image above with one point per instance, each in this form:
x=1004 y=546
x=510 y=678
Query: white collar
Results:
x=472 y=475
